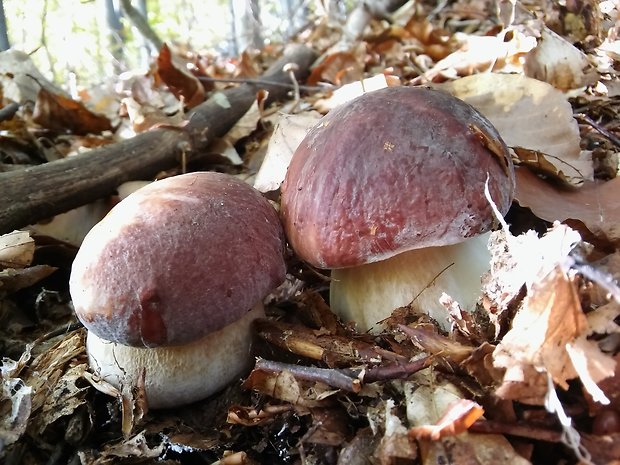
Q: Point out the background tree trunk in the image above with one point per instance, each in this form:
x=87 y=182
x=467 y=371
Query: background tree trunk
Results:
x=116 y=37
x=246 y=25
x=4 y=36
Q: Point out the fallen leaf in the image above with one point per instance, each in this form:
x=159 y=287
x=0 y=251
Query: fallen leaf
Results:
x=550 y=320
x=61 y=114
x=183 y=84
x=16 y=249
x=560 y=63
x=427 y=398
x=593 y=209
x=349 y=91
x=528 y=113
x=12 y=280
x=288 y=133
x=339 y=68
x=457 y=418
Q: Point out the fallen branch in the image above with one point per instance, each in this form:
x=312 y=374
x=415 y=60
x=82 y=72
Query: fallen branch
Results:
x=39 y=192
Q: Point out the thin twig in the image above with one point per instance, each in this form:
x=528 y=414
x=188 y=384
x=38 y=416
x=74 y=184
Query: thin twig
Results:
x=612 y=137
x=330 y=376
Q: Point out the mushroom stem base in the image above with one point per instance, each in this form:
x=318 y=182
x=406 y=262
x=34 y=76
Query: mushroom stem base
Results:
x=178 y=375
x=369 y=293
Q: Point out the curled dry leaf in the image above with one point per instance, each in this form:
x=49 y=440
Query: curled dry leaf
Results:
x=560 y=63
x=427 y=399
x=593 y=209
x=528 y=113
x=183 y=84
x=457 y=418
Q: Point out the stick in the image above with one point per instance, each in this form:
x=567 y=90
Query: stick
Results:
x=39 y=192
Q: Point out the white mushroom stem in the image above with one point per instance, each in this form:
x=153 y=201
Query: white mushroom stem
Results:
x=176 y=375
x=369 y=293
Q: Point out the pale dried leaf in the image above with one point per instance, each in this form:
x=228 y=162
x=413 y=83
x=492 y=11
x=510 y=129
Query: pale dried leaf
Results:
x=288 y=133
x=560 y=63
x=349 y=91
x=528 y=113
x=16 y=249
x=551 y=318
x=602 y=320
x=591 y=365
x=481 y=53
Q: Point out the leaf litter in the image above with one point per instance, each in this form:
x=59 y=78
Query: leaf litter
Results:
x=529 y=376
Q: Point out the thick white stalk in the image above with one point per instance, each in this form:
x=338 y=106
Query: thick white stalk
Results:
x=369 y=293
x=177 y=375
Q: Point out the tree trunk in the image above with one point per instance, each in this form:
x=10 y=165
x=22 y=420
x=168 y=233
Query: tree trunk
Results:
x=39 y=192
x=4 y=36
x=116 y=37
x=246 y=25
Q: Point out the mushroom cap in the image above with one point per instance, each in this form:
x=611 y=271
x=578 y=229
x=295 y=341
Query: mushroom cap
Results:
x=177 y=260
x=393 y=170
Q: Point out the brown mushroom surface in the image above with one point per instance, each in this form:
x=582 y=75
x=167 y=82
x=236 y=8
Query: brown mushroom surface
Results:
x=171 y=265
x=394 y=170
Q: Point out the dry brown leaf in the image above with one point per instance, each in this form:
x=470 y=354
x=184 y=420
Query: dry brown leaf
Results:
x=595 y=206
x=183 y=84
x=61 y=114
x=339 y=68
x=528 y=113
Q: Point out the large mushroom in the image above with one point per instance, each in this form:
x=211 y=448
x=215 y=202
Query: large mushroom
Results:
x=168 y=283
x=388 y=190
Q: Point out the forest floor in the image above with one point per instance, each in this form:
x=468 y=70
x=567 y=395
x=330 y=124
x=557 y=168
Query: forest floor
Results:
x=530 y=377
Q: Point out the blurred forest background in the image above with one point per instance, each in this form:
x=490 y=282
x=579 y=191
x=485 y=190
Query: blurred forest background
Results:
x=84 y=41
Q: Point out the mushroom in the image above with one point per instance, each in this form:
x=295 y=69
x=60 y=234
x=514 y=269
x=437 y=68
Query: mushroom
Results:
x=388 y=192
x=169 y=282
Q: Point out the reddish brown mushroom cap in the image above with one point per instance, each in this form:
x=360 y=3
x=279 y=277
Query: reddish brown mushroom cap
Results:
x=176 y=260
x=393 y=170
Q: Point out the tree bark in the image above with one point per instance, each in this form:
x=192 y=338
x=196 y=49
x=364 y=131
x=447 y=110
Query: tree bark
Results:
x=116 y=37
x=39 y=192
x=246 y=25
x=4 y=35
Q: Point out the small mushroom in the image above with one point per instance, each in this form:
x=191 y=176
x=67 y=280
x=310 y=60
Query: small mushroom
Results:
x=169 y=282
x=388 y=191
